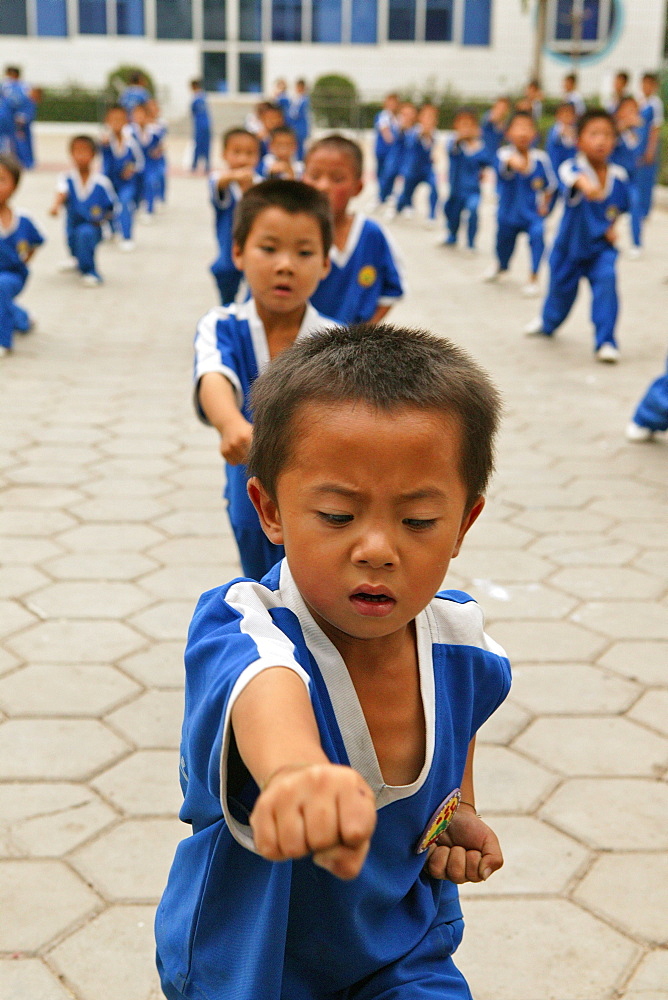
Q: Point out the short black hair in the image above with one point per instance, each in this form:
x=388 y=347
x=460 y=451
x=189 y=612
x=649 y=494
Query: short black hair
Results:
x=565 y=106
x=135 y=77
x=385 y=367
x=115 y=107
x=573 y=77
x=340 y=144
x=594 y=114
x=196 y=84
x=293 y=197
x=12 y=71
x=283 y=130
x=232 y=132
x=523 y=116
x=88 y=139
x=649 y=75
x=12 y=166
x=623 y=75
x=465 y=112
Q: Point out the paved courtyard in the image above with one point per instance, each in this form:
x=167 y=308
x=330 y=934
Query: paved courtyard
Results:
x=111 y=525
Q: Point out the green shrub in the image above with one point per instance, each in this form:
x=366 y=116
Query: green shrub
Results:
x=74 y=104
x=120 y=78
x=335 y=102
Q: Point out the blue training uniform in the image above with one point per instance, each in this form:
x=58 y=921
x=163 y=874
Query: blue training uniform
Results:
x=652 y=410
x=121 y=157
x=652 y=117
x=467 y=160
x=224 y=202
x=298 y=117
x=625 y=154
x=385 y=122
x=560 y=145
x=201 y=129
x=232 y=341
x=393 y=163
x=16 y=243
x=88 y=206
x=581 y=249
x=149 y=140
x=519 y=195
x=418 y=168
x=132 y=96
x=367 y=273
x=492 y=135
x=232 y=924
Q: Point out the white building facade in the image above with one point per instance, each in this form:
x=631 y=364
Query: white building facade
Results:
x=476 y=48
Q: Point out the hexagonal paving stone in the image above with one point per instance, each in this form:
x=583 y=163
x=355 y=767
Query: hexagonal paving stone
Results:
x=590 y=582
x=527 y=600
x=651 y=977
x=509 y=783
x=16 y=581
x=194 y=551
x=552 y=520
x=652 y=710
x=547 y=642
x=503 y=566
x=61 y=689
x=144 y=784
x=547 y=949
x=7 y=661
x=13 y=616
x=590 y=809
x=504 y=725
x=58 y=830
x=625 y=619
x=152 y=720
x=29 y=979
x=146 y=468
x=490 y=534
x=40 y=496
x=56 y=748
x=99 y=566
x=37 y=521
x=138 y=444
x=132 y=861
x=91 y=599
x=591 y=745
x=108 y=486
x=116 y=949
x=106 y=508
x=34 y=474
x=39 y=900
x=584 y=550
x=571 y=689
x=76 y=642
x=641 y=661
x=537 y=859
x=160 y=666
x=165 y=620
x=186 y=581
x=206 y=522
x=109 y=537
x=28 y=550
x=644 y=877
x=53 y=454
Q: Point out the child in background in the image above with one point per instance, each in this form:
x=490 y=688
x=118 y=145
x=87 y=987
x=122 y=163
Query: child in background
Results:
x=525 y=183
x=629 y=141
x=386 y=128
x=90 y=201
x=651 y=112
x=149 y=140
x=534 y=95
x=123 y=163
x=571 y=95
x=595 y=193
x=406 y=118
x=19 y=238
x=201 y=126
x=468 y=156
x=241 y=153
x=651 y=414
x=299 y=116
x=22 y=108
x=418 y=165
x=493 y=126
x=328 y=746
x=365 y=279
x=135 y=93
x=158 y=156
x=271 y=117
x=281 y=160
x=562 y=137
x=620 y=86
x=282 y=234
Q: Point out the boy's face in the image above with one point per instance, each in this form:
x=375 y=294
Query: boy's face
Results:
x=627 y=115
x=283 y=147
x=273 y=119
x=116 y=119
x=466 y=127
x=620 y=84
x=140 y=116
x=371 y=507
x=392 y=103
x=283 y=259
x=7 y=185
x=566 y=115
x=521 y=133
x=648 y=86
x=332 y=172
x=82 y=154
x=407 y=115
x=569 y=84
x=428 y=117
x=241 y=152
x=597 y=140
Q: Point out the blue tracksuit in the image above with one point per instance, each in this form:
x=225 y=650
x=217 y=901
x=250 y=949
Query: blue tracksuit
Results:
x=492 y=136
x=148 y=140
x=299 y=119
x=384 y=121
x=652 y=410
x=224 y=202
x=117 y=157
x=16 y=242
x=88 y=206
x=393 y=163
x=23 y=110
x=517 y=212
x=581 y=249
x=559 y=146
x=467 y=160
x=418 y=168
x=232 y=341
x=625 y=154
x=201 y=129
x=652 y=117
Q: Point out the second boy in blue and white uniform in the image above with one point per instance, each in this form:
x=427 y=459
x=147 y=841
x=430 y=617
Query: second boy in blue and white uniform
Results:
x=241 y=151
x=467 y=156
x=123 y=163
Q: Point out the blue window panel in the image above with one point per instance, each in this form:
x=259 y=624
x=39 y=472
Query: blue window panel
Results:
x=401 y=26
x=286 y=21
x=327 y=21
x=52 y=18
x=439 y=20
x=565 y=27
x=214 y=71
x=129 y=17
x=364 y=29
x=250 y=72
x=92 y=17
x=250 y=20
x=174 y=18
x=13 y=19
x=214 y=20
x=477 y=22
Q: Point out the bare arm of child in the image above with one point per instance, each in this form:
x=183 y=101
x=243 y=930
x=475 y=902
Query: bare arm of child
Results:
x=380 y=313
x=58 y=202
x=652 y=143
x=307 y=805
x=469 y=850
x=217 y=399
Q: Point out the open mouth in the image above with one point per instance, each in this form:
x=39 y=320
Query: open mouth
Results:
x=374 y=605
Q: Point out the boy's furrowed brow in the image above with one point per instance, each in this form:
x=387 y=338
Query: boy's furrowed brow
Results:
x=426 y=493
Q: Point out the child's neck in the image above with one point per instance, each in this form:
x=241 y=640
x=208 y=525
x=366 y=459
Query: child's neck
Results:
x=600 y=168
x=84 y=172
x=281 y=329
x=342 y=225
x=5 y=214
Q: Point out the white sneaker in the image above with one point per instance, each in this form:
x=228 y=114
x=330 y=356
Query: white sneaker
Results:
x=531 y=290
x=608 y=353
x=3 y=351
x=493 y=273
x=126 y=245
x=634 y=253
x=71 y=264
x=635 y=432
x=91 y=280
x=147 y=218
x=535 y=328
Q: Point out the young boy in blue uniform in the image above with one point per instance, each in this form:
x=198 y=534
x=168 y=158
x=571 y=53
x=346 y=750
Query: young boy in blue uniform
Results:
x=468 y=156
x=595 y=193
x=281 y=160
x=525 y=183
x=282 y=234
x=22 y=109
x=329 y=736
x=625 y=154
x=149 y=139
x=651 y=414
x=562 y=137
x=123 y=164
x=241 y=152
x=406 y=119
x=19 y=238
x=90 y=201
x=201 y=124
x=365 y=279
x=418 y=166
x=386 y=128
x=158 y=156
x=493 y=126
x=134 y=94
x=652 y=114
x=299 y=117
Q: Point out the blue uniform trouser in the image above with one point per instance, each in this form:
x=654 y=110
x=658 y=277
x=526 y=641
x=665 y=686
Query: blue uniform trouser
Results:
x=228 y=281
x=389 y=175
x=652 y=409
x=20 y=318
x=381 y=157
x=565 y=276
x=24 y=148
x=645 y=179
x=453 y=208
x=506 y=237
x=411 y=181
x=149 y=185
x=10 y=286
x=202 y=148
x=635 y=213
x=82 y=240
x=127 y=196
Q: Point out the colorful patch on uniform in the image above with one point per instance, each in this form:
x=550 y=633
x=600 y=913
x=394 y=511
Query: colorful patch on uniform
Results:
x=440 y=821
x=611 y=212
x=23 y=249
x=96 y=210
x=367 y=276
x=537 y=183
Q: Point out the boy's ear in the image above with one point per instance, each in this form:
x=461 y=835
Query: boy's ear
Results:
x=237 y=254
x=358 y=187
x=267 y=511
x=468 y=520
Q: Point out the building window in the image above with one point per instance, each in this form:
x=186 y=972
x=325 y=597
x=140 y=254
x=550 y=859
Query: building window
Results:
x=250 y=20
x=92 y=17
x=438 y=24
x=580 y=27
x=286 y=21
x=129 y=17
x=364 y=30
x=174 y=18
x=327 y=21
x=52 y=18
x=401 y=26
x=214 y=75
x=477 y=22
x=250 y=72
x=214 y=20
x=13 y=19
